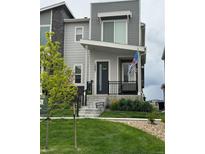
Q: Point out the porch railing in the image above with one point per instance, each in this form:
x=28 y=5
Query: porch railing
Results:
x=122 y=87
x=88 y=91
x=89 y=87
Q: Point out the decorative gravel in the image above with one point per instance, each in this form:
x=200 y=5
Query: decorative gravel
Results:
x=157 y=129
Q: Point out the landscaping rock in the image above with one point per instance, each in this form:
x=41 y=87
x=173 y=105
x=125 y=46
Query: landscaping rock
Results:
x=153 y=129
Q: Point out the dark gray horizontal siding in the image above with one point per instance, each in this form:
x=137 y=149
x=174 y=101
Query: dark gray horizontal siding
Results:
x=133 y=24
x=142 y=35
x=59 y=14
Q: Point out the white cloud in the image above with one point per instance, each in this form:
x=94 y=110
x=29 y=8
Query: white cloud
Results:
x=153 y=92
x=152 y=13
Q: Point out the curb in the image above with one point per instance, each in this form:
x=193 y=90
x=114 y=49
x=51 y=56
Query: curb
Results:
x=101 y=118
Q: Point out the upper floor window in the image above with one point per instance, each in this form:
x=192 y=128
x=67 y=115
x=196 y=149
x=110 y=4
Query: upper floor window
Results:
x=78 y=73
x=114 y=31
x=78 y=33
x=43 y=30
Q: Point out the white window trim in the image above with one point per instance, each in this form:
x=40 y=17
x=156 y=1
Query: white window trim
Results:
x=117 y=20
x=48 y=25
x=81 y=65
x=95 y=76
x=51 y=20
x=76 y=31
x=115 y=13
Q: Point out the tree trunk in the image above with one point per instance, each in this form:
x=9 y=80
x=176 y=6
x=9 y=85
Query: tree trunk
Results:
x=47 y=124
x=74 y=118
x=47 y=121
x=75 y=133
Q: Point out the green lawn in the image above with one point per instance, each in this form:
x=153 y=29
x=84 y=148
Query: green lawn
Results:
x=98 y=137
x=60 y=113
x=128 y=114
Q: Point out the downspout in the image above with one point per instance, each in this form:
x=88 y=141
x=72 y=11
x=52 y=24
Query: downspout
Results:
x=139 y=56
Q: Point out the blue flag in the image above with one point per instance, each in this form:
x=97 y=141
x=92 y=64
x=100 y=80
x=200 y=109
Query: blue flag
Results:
x=134 y=62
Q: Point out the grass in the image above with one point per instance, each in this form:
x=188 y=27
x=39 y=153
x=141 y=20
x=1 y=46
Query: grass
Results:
x=60 y=113
x=98 y=137
x=128 y=114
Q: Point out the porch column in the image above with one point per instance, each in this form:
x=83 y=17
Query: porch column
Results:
x=139 y=74
x=86 y=66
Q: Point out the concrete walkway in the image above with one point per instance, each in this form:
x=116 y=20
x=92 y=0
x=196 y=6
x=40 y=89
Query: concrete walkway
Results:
x=102 y=118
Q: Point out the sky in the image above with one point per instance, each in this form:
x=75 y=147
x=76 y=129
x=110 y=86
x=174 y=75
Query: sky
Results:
x=152 y=14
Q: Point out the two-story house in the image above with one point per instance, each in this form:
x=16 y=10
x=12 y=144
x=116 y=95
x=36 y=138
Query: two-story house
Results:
x=52 y=15
x=100 y=49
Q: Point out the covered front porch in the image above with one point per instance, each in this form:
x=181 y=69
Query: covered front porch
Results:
x=107 y=68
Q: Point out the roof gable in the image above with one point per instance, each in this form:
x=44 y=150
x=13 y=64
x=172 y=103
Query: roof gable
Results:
x=50 y=4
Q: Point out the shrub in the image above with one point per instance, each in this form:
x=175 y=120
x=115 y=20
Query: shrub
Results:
x=152 y=116
x=130 y=105
x=114 y=104
x=146 y=107
x=125 y=105
x=163 y=119
x=107 y=106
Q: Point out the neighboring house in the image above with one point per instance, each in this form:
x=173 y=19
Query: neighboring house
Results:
x=163 y=85
x=159 y=104
x=52 y=15
x=99 y=49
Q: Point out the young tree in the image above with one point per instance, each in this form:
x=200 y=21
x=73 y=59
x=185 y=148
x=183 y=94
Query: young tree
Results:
x=56 y=79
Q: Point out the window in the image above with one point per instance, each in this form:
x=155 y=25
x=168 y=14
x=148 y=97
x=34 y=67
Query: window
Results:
x=43 y=30
x=108 y=31
x=78 y=33
x=126 y=76
x=120 y=32
x=115 y=31
x=78 y=73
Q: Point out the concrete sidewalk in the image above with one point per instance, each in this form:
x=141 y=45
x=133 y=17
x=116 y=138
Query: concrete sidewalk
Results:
x=102 y=118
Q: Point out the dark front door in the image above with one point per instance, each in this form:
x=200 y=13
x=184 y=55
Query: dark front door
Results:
x=102 y=77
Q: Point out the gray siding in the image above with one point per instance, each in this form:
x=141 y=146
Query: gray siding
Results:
x=143 y=56
x=45 y=17
x=142 y=35
x=133 y=24
x=74 y=52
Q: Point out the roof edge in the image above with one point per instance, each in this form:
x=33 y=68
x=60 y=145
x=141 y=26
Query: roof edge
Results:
x=114 y=1
x=141 y=49
x=56 y=5
x=76 y=20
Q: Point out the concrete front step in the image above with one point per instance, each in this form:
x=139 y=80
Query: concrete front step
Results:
x=92 y=105
x=90 y=110
x=96 y=98
x=88 y=115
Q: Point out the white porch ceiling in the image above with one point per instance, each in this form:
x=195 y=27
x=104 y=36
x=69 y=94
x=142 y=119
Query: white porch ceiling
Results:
x=99 y=44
